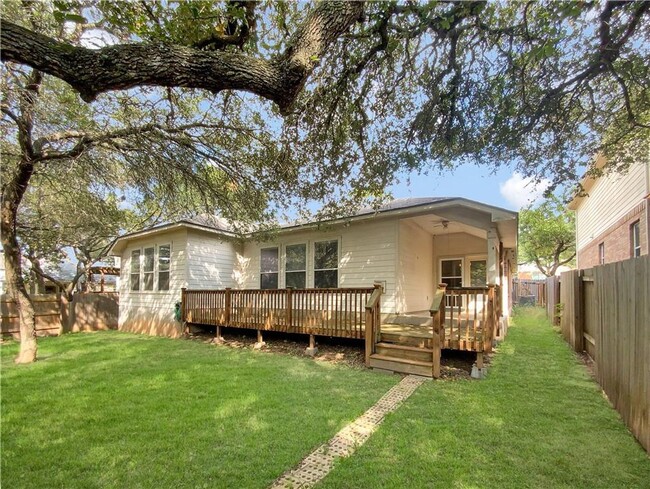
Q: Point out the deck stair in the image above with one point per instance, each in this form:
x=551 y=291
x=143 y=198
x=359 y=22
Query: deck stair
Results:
x=404 y=346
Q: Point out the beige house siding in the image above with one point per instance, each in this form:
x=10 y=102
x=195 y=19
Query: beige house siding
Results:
x=152 y=312
x=610 y=198
x=415 y=279
x=367 y=253
x=211 y=261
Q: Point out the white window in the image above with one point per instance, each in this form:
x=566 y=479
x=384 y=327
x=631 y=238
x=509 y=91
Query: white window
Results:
x=451 y=272
x=326 y=264
x=135 y=270
x=635 y=238
x=295 y=274
x=601 y=253
x=269 y=268
x=148 y=268
x=164 y=259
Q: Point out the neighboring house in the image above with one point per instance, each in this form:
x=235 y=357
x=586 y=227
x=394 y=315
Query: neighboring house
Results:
x=408 y=246
x=612 y=218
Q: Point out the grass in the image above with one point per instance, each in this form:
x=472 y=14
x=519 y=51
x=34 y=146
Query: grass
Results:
x=119 y=410
x=538 y=420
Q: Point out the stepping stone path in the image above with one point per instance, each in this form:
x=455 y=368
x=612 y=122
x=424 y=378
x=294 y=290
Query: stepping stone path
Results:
x=319 y=462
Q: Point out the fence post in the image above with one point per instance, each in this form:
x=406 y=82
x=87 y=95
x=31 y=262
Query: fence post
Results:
x=577 y=331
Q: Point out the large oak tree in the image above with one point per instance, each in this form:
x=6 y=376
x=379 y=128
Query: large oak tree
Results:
x=353 y=93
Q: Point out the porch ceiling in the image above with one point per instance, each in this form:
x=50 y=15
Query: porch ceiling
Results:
x=438 y=226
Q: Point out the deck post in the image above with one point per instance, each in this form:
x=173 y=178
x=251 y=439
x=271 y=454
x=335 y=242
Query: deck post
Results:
x=183 y=308
x=312 y=350
x=370 y=336
x=260 y=341
x=289 y=307
x=218 y=339
x=227 y=306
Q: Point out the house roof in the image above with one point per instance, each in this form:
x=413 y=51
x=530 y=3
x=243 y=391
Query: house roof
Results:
x=587 y=183
x=402 y=206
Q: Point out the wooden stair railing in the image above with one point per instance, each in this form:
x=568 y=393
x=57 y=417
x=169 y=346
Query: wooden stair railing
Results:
x=437 y=311
x=373 y=322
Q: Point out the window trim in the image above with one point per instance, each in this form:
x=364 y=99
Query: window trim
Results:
x=635 y=239
x=338 y=260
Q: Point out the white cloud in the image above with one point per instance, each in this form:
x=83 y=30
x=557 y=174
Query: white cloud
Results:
x=97 y=38
x=521 y=191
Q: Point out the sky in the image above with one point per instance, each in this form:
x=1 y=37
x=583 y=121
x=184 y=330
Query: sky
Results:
x=505 y=188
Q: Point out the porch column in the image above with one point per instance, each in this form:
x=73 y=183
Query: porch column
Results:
x=493 y=257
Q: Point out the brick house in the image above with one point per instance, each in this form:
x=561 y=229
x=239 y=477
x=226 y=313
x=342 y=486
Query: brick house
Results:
x=613 y=218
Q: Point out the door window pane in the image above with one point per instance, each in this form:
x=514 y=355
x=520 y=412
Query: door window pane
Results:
x=478 y=273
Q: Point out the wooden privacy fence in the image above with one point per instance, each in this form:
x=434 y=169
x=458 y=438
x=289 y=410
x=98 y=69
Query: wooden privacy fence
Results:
x=47 y=308
x=326 y=312
x=55 y=315
x=553 y=299
x=606 y=312
x=531 y=292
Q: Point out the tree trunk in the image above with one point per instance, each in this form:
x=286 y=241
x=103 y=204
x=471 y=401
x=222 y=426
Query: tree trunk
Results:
x=16 y=285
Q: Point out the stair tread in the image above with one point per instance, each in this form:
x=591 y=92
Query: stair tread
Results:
x=401 y=360
x=404 y=347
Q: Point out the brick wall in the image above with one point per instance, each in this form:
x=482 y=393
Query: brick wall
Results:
x=617 y=238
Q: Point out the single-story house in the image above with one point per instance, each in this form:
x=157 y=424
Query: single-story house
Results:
x=405 y=248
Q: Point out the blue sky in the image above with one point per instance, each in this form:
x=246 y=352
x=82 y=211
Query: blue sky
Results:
x=503 y=188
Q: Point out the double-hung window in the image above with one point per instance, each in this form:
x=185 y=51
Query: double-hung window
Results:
x=295 y=275
x=147 y=268
x=164 y=259
x=269 y=261
x=135 y=270
x=326 y=264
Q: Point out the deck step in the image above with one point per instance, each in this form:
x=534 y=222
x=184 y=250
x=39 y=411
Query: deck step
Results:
x=401 y=365
x=404 y=351
x=406 y=340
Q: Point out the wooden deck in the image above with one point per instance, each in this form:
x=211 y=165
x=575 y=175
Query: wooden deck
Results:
x=459 y=319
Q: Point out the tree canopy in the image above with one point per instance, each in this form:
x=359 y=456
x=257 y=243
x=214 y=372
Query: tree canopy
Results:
x=547 y=235
x=367 y=89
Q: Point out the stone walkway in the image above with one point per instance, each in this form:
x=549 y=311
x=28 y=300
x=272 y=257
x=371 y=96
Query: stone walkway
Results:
x=319 y=462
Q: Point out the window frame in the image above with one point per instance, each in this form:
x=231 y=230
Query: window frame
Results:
x=151 y=272
x=276 y=272
x=284 y=264
x=462 y=271
x=337 y=240
x=601 y=253
x=635 y=239
x=139 y=271
x=474 y=258
x=157 y=268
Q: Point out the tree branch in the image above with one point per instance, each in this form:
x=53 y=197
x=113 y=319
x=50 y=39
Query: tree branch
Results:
x=123 y=66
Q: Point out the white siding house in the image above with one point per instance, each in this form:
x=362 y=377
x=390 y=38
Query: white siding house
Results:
x=408 y=246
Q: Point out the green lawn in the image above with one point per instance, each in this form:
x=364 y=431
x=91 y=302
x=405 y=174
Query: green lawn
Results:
x=538 y=420
x=120 y=410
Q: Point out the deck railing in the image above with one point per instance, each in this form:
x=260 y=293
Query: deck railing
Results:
x=472 y=317
x=373 y=322
x=437 y=311
x=337 y=312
